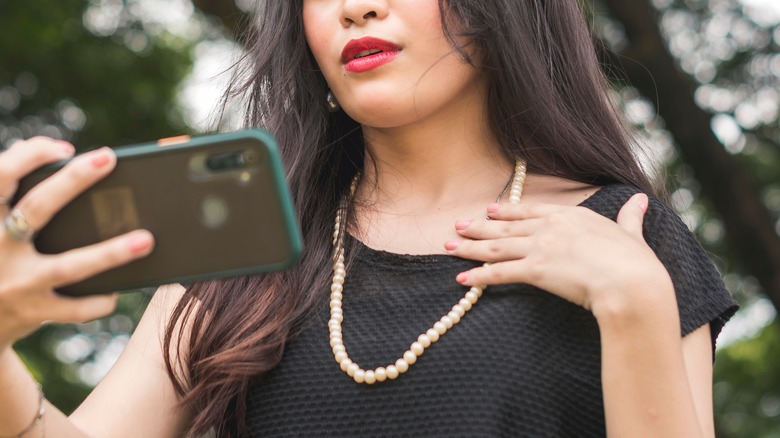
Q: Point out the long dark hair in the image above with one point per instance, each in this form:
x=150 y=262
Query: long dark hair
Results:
x=548 y=102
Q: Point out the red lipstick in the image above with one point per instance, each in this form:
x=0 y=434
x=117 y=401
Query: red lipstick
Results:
x=367 y=53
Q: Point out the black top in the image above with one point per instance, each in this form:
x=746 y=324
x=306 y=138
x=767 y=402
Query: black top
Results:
x=522 y=363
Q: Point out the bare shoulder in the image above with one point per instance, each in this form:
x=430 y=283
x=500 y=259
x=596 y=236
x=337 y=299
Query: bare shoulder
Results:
x=556 y=190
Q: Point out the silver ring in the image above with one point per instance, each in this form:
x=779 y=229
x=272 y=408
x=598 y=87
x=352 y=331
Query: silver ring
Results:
x=16 y=226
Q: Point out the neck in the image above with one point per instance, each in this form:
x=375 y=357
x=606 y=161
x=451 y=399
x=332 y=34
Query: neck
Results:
x=433 y=163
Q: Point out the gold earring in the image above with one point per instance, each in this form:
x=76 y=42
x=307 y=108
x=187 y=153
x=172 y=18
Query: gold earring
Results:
x=333 y=104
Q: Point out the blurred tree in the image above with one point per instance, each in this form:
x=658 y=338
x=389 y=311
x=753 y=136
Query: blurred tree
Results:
x=90 y=72
x=748 y=401
x=706 y=65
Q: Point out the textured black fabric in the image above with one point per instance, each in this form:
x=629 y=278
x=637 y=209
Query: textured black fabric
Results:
x=522 y=363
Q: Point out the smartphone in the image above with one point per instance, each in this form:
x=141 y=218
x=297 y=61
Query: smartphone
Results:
x=218 y=206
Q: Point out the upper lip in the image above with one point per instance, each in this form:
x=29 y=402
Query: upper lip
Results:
x=354 y=47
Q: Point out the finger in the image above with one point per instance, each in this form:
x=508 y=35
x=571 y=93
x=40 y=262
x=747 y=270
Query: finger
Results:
x=515 y=271
x=631 y=215
x=22 y=157
x=66 y=309
x=493 y=250
x=48 y=197
x=496 y=229
x=77 y=264
x=521 y=211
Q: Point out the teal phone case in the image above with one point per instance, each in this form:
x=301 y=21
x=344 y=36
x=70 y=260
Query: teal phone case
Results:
x=233 y=221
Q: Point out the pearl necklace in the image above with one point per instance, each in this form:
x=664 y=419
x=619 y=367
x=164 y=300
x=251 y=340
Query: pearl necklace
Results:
x=426 y=339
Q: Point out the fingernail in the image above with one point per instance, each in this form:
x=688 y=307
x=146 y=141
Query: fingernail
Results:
x=452 y=245
x=462 y=277
x=462 y=224
x=67 y=149
x=642 y=202
x=140 y=242
x=492 y=208
x=100 y=159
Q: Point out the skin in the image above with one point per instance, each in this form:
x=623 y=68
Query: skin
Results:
x=438 y=172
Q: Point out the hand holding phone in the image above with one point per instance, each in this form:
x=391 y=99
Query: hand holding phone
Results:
x=217 y=206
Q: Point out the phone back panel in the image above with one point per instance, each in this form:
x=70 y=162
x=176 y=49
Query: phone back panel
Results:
x=205 y=224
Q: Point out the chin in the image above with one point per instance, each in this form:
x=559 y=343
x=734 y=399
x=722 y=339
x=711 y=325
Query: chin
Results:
x=381 y=114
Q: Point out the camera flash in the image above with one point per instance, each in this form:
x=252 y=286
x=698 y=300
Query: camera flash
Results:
x=214 y=211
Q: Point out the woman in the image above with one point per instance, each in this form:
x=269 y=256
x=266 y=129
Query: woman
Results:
x=409 y=124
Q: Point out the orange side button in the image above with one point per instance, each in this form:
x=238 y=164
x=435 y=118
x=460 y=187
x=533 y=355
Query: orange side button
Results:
x=173 y=140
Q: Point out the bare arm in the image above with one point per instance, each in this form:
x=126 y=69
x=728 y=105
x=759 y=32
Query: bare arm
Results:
x=654 y=382
x=136 y=398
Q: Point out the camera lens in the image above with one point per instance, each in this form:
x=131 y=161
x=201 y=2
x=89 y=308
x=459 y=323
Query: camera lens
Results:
x=228 y=161
x=250 y=157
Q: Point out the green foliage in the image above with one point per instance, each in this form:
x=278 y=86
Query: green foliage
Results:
x=747 y=392
x=59 y=79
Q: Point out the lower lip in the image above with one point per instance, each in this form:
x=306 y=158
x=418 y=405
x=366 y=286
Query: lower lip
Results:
x=368 y=63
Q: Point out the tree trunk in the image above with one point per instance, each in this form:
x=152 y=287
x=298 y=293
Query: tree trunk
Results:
x=228 y=14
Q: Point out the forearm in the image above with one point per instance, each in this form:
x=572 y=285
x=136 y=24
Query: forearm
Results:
x=645 y=384
x=19 y=401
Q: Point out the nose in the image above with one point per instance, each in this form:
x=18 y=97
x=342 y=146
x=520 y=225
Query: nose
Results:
x=361 y=11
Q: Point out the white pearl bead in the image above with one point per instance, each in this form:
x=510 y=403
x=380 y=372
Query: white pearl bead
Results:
x=336 y=296
x=392 y=372
x=370 y=377
x=336 y=341
x=441 y=326
x=340 y=271
x=338 y=279
x=432 y=334
x=352 y=369
x=339 y=348
x=401 y=365
x=337 y=317
x=360 y=376
x=410 y=357
x=381 y=374
x=466 y=304
x=417 y=348
x=333 y=324
x=460 y=310
x=472 y=297
x=454 y=317
x=345 y=364
x=336 y=288
x=335 y=303
x=424 y=340
x=340 y=356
